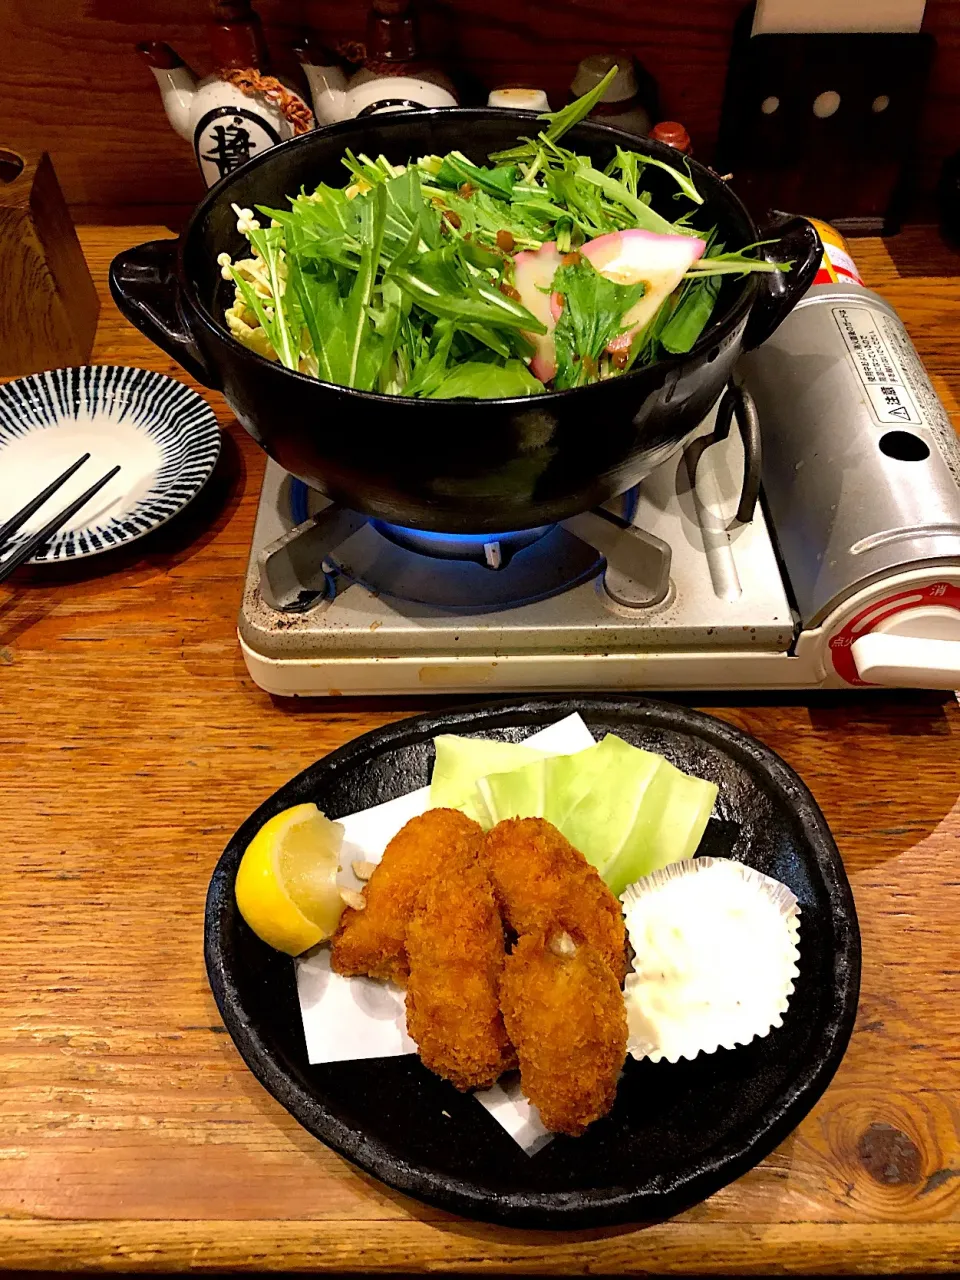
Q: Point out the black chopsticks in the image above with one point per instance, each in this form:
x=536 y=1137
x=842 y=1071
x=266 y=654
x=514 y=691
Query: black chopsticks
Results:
x=26 y=549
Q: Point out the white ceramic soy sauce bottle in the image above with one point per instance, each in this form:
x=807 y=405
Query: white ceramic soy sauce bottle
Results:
x=237 y=111
x=392 y=77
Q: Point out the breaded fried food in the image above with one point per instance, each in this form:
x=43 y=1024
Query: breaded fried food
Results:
x=544 y=885
x=564 y=1011
x=455 y=951
x=371 y=942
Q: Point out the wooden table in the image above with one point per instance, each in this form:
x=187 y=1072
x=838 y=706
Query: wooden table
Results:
x=132 y=743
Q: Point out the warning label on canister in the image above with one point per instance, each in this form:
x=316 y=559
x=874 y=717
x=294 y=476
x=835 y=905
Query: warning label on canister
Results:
x=881 y=377
x=897 y=388
x=915 y=376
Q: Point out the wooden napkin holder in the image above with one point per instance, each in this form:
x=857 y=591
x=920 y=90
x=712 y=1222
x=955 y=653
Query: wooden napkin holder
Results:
x=48 y=301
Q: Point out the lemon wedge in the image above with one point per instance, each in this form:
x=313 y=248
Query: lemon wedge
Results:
x=287 y=879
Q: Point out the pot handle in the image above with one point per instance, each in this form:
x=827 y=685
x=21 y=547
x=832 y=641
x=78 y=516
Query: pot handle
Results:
x=797 y=242
x=736 y=402
x=143 y=282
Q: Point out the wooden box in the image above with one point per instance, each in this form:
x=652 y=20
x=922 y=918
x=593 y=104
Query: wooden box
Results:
x=48 y=301
x=825 y=124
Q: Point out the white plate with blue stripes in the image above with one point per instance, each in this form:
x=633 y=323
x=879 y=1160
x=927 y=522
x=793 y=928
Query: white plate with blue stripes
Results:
x=162 y=434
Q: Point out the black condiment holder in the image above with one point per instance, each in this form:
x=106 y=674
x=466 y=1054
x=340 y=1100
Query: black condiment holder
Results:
x=824 y=124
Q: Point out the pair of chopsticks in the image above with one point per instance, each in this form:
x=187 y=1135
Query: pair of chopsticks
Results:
x=26 y=549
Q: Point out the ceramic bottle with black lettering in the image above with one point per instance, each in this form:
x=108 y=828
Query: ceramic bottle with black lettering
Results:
x=393 y=76
x=240 y=109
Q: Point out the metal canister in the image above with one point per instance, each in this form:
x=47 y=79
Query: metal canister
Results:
x=861 y=464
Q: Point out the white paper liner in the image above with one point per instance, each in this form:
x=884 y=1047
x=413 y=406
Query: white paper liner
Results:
x=713 y=967
x=350 y=1018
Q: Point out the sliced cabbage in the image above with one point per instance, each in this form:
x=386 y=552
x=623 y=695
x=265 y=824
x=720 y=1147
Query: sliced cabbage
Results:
x=461 y=761
x=520 y=793
x=628 y=811
x=613 y=824
x=571 y=777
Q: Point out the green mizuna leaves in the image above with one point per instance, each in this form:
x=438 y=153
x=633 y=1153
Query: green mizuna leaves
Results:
x=405 y=280
x=592 y=314
x=485 y=381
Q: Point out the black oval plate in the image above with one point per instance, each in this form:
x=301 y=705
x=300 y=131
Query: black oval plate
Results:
x=677 y=1132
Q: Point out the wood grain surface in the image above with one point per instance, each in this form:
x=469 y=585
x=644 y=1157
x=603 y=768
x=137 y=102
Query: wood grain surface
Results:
x=132 y=744
x=48 y=304
x=70 y=81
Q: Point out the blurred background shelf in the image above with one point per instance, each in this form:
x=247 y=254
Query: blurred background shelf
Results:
x=77 y=88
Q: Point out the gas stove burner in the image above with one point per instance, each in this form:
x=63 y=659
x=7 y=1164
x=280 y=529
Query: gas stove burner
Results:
x=314 y=563
x=492 y=550
x=688 y=585
x=667 y=592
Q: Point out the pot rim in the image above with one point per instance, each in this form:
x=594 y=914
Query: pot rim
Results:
x=737 y=311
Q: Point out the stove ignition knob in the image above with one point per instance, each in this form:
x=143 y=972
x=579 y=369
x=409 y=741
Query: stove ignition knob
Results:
x=916 y=649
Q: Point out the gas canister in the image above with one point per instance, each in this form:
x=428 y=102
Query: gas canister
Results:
x=861 y=474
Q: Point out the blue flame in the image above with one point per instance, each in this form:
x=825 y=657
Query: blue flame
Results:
x=300 y=511
x=299 y=507
x=464 y=539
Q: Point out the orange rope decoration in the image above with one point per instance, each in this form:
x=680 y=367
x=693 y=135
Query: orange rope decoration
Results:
x=353 y=51
x=290 y=105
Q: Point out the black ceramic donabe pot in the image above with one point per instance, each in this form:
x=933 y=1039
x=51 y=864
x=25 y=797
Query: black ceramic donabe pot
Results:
x=462 y=466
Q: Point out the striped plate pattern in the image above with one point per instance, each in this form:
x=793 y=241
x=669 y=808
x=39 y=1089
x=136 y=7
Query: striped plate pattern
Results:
x=163 y=435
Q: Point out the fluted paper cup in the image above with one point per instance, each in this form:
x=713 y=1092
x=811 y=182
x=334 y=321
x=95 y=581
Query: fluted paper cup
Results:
x=715 y=957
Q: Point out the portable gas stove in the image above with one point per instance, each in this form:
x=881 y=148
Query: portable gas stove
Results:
x=847 y=574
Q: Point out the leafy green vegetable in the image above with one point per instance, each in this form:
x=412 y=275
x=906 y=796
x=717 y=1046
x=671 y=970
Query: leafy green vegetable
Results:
x=403 y=281
x=560 y=122
x=691 y=315
x=645 y=218
x=474 y=302
x=268 y=245
x=461 y=761
x=737 y=262
x=488 y=381
x=264 y=314
x=592 y=315
x=456 y=169
x=682 y=179
x=521 y=793
x=357 y=339
x=646 y=344
x=409 y=221
x=628 y=811
x=429 y=364
x=367 y=171
x=310 y=298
